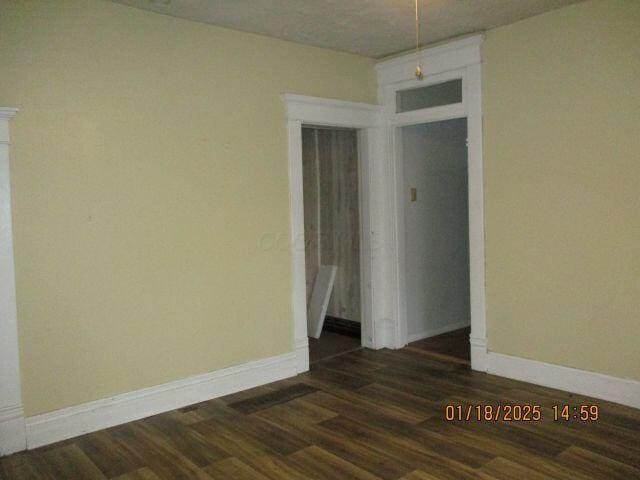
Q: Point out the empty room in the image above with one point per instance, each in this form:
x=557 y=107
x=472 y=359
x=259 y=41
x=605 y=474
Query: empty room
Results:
x=319 y=240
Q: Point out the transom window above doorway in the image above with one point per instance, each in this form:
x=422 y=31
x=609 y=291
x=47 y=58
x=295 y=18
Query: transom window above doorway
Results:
x=435 y=95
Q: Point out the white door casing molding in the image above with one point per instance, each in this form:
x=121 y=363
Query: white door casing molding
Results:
x=12 y=425
x=303 y=110
x=459 y=59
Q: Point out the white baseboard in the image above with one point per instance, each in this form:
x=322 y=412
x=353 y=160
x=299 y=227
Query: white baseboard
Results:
x=385 y=333
x=12 y=430
x=479 y=357
x=73 y=421
x=436 y=331
x=302 y=355
x=369 y=344
x=597 y=385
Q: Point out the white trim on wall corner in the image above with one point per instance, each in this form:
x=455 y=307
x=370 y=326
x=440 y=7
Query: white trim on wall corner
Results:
x=302 y=355
x=12 y=430
x=12 y=433
x=414 y=337
x=605 y=387
x=88 y=417
x=479 y=354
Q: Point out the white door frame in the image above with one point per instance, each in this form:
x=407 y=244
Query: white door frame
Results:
x=455 y=60
x=12 y=424
x=302 y=110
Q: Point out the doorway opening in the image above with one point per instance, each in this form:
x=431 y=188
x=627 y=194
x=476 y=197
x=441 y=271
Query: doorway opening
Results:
x=436 y=238
x=332 y=232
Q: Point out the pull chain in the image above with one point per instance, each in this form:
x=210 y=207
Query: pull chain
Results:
x=418 y=67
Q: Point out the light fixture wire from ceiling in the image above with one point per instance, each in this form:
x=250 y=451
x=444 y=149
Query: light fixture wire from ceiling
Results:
x=419 y=75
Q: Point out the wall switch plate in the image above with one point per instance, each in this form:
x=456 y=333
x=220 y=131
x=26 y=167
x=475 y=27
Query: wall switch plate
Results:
x=414 y=194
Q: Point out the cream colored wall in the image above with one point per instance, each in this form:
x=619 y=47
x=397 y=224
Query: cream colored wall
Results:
x=562 y=173
x=148 y=165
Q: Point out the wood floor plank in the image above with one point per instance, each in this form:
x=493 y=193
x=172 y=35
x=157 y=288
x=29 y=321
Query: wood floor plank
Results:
x=356 y=411
x=453 y=346
x=325 y=379
x=381 y=464
x=157 y=452
x=233 y=468
x=68 y=462
x=538 y=465
x=322 y=465
x=438 y=474
x=597 y=465
x=390 y=409
x=20 y=466
x=189 y=443
x=503 y=469
x=475 y=439
x=352 y=363
x=140 y=474
x=526 y=440
x=112 y=457
x=420 y=406
x=217 y=409
x=416 y=448
x=295 y=412
x=232 y=440
x=266 y=400
x=602 y=444
x=275 y=467
x=248 y=394
x=278 y=439
x=443 y=469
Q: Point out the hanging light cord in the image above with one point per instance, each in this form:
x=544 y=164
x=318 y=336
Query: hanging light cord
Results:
x=418 y=68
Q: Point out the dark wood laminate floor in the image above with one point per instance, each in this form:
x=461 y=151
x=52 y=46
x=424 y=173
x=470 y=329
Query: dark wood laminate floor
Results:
x=331 y=344
x=364 y=415
x=453 y=344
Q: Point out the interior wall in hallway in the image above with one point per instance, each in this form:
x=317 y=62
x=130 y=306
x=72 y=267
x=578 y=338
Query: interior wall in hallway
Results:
x=437 y=227
x=332 y=218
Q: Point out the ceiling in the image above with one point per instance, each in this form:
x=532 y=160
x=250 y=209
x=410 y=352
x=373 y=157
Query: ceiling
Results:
x=374 y=28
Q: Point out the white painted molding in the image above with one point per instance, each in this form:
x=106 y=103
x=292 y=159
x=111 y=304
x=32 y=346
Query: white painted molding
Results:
x=296 y=240
x=479 y=354
x=475 y=164
x=368 y=151
x=414 y=337
x=460 y=59
x=5 y=115
x=434 y=60
x=12 y=430
x=334 y=113
x=597 y=385
x=73 y=421
x=329 y=112
x=302 y=355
